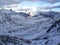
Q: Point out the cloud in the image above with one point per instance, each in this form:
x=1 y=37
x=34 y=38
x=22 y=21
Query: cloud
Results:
x=7 y=2
x=56 y=6
x=14 y=3
x=51 y=1
x=50 y=5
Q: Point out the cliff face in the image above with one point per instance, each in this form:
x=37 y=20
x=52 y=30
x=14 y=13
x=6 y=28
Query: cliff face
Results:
x=16 y=29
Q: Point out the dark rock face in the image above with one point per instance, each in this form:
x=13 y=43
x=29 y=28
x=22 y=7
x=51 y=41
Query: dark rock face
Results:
x=5 y=39
x=54 y=25
x=58 y=43
x=24 y=14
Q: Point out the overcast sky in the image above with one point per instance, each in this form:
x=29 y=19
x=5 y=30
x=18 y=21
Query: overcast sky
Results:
x=5 y=2
x=54 y=4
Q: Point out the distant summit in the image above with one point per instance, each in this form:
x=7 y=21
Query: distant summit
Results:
x=11 y=12
x=6 y=11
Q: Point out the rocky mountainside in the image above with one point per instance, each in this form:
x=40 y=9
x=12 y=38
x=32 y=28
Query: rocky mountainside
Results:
x=16 y=29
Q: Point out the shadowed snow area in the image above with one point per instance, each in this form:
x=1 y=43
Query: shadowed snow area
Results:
x=18 y=29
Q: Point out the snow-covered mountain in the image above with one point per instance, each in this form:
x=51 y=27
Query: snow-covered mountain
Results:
x=17 y=29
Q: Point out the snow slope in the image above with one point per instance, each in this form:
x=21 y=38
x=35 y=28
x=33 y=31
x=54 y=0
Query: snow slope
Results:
x=28 y=30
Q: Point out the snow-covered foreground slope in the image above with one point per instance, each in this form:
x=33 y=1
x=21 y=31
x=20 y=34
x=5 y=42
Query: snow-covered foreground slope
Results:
x=19 y=30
